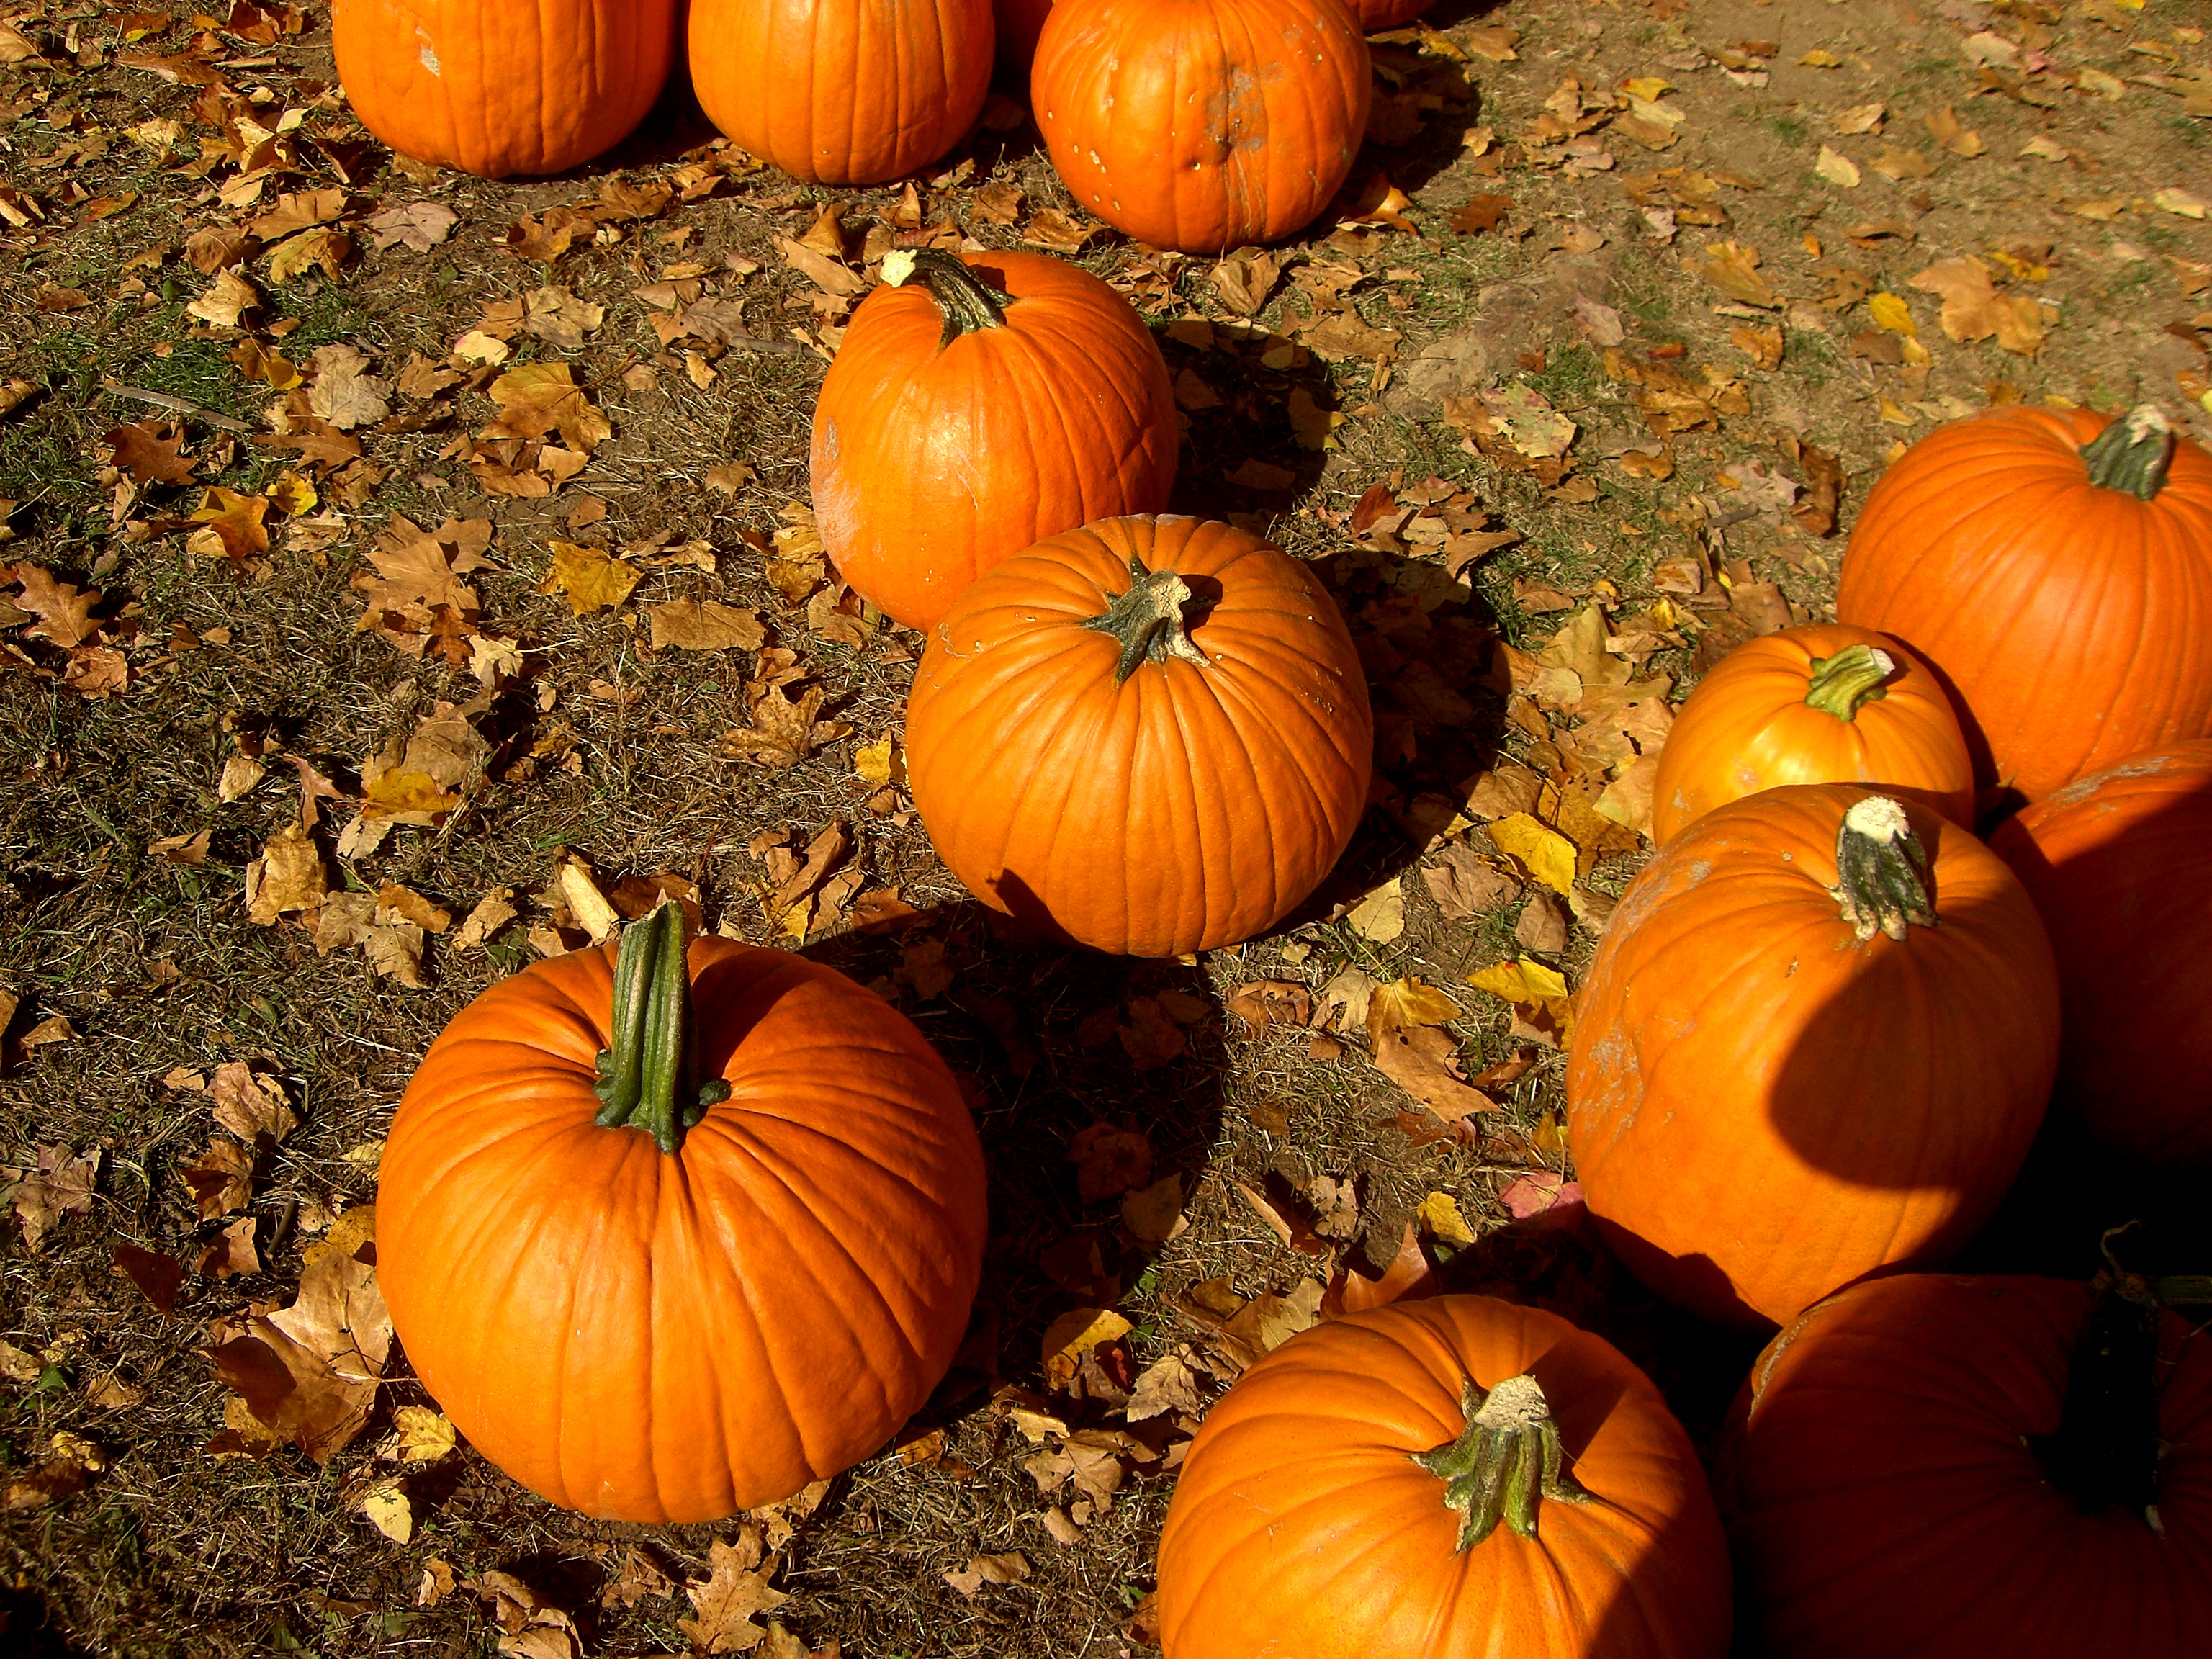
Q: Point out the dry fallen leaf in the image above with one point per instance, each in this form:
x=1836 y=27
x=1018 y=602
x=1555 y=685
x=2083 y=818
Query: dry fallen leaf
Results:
x=590 y=578
x=1974 y=309
x=1010 y=1569
x=1424 y=1061
x=60 y=1184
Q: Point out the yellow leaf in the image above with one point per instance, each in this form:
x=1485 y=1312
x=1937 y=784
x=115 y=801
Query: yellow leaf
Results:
x=396 y=794
x=1074 y=1334
x=1890 y=311
x=425 y=1436
x=1646 y=87
x=1549 y=856
x=1529 y=984
x=1817 y=59
x=1441 y=1219
x=1836 y=168
x=873 y=762
x=1407 y=1002
x=388 y=1510
x=589 y=577
x=293 y=494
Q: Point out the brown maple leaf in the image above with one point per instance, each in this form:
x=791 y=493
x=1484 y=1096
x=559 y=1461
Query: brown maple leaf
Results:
x=736 y=1589
x=541 y=398
x=231 y=527
x=782 y=732
x=147 y=451
x=65 y=611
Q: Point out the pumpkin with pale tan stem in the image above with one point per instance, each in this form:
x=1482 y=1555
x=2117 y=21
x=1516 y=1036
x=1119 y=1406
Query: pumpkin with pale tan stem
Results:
x=1150 y=736
x=1450 y=1479
x=502 y=89
x=975 y=407
x=670 y=1233
x=2054 y=567
x=1815 y=1044
x=1826 y=704
x=842 y=92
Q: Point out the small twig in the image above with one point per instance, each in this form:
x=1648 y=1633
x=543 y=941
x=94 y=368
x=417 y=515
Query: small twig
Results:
x=163 y=400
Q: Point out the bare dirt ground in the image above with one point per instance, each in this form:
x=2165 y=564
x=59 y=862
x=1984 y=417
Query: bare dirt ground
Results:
x=407 y=573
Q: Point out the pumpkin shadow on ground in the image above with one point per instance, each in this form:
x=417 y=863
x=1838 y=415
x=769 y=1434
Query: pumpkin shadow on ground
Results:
x=1257 y=406
x=1095 y=1081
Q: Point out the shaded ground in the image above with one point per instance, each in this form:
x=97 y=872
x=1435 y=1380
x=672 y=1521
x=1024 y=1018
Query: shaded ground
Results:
x=1832 y=227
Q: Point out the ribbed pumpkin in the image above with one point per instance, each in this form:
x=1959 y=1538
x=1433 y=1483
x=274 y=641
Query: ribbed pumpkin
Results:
x=1788 y=1070
x=1450 y=1479
x=1820 y=704
x=842 y=92
x=976 y=408
x=1922 y=1467
x=1150 y=735
x=501 y=89
x=2054 y=569
x=653 y=1301
x=1202 y=125
x=2120 y=864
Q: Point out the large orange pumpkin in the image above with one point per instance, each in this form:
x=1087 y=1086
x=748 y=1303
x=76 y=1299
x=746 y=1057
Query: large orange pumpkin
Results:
x=1150 y=736
x=1826 y=704
x=504 y=88
x=654 y=1301
x=2120 y=864
x=842 y=92
x=1202 y=125
x=976 y=408
x=2054 y=569
x=1815 y=1044
x=1926 y=1467
x=1450 y=1479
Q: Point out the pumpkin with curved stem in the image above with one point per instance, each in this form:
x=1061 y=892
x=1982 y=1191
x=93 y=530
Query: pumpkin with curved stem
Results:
x=2120 y=864
x=1820 y=704
x=1815 y=1044
x=975 y=408
x=2016 y=1466
x=1202 y=125
x=498 y=90
x=1150 y=736
x=670 y=1233
x=1446 y=1479
x=842 y=92
x=2054 y=569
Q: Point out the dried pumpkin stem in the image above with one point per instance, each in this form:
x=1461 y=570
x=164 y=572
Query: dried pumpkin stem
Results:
x=1879 y=864
x=1845 y=684
x=2106 y=1449
x=649 y=1076
x=1151 y=622
x=1504 y=1463
x=2132 y=453
x=970 y=305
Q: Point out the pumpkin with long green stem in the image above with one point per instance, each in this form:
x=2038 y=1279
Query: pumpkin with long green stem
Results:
x=1448 y=1479
x=976 y=406
x=2054 y=567
x=1815 y=1044
x=1823 y=703
x=1151 y=736
x=674 y=1231
x=1930 y=1465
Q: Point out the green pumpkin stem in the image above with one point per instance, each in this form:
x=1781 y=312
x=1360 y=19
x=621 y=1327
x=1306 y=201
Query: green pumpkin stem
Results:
x=2132 y=453
x=970 y=305
x=1880 y=867
x=2106 y=1449
x=1504 y=1463
x=1151 y=621
x=649 y=1077
x=1845 y=684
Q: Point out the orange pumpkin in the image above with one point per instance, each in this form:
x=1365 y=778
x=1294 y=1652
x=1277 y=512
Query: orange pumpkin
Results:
x=842 y=92
x=1927 y=1465
x=2054 y=569
x=1789 y=1068
x=975 y=409
x=1202 y=125
x=502 y=89
x=2120 y=864
x=1375 y=16
x=1820 y=704
x=1449 y=1478
x=656 y=1301
x=1151 y=736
